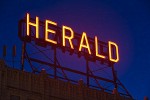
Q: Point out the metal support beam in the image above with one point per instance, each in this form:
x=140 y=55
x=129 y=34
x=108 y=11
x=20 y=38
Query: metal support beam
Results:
x=70 y=70
x=23 y=55
x=55 y=63
x=87 y=72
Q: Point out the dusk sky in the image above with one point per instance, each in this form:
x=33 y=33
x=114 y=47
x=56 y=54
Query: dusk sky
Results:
x=126 y=22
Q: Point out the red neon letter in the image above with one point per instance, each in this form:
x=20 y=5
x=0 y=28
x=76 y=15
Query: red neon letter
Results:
x=96 y=48
x=36 y=25
x=67 y=37
x=49 y=30
x=84 y=37
x=110 y=52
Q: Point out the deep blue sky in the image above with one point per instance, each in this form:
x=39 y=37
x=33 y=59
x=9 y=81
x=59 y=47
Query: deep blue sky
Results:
x=125 y=22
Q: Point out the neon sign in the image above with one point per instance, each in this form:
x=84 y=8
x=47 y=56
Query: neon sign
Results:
x=67 y=38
